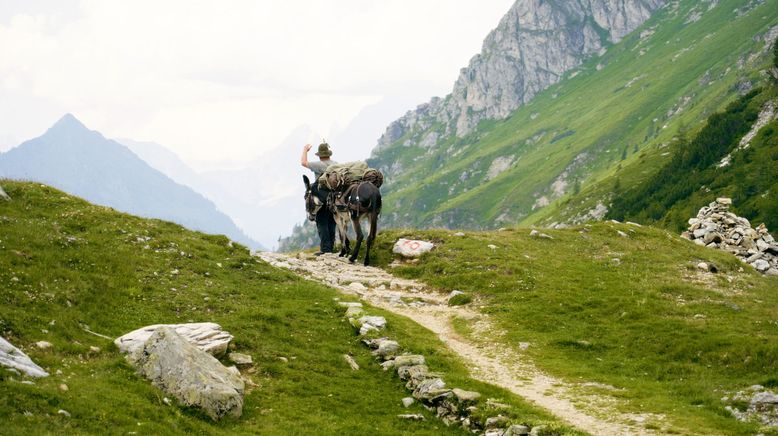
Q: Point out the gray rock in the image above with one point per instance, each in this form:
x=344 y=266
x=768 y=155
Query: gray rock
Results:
x=772 y=272
x=378 y=322
x=408 y=401
x=43 y=345
x=14 y=358
x=761 y=265
x=540 y=430
x=188 y=373
x=409 y=360
x=429 y=388
x=464 y=396
x=206 y=336
x=3 y=195
x=412 y=417
x=497 y=422
x=240 y=359
x=387 y=349
x=349 y=304
x=416 y=372
x=517 y=430
x=354 y=311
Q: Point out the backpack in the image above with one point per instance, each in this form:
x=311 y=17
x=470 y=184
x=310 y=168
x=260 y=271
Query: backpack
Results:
x=340 y=176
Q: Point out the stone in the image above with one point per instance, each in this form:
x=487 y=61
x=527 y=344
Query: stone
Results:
x=772 y=272
x=622 y=234
x=240 y=359
x=460 y=234
x=761 y=265
x=724 y=201
x=14 y=358
x=43 y=345
x=429 y=388
x=357 y=287
x=387 y=349
x=188 y=373
x=63 y=387
x=497 y=422
x=206 y=336
x=348 y=304
x=3 y=195
x=378 y=322
x=712 y=238
x=412 y=248
x=492 y=246
x=351 y=362
x=408 y=401
x=540 y=430
x=64 y=413
x=517 y=430
x=412 y=417
x=94 y=350
x=354 y=311
x=464 y=396
x=699 y=233
x=409 y=360
x=417 y=372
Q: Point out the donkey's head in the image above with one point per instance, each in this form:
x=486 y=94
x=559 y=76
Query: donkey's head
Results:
x=312 y=202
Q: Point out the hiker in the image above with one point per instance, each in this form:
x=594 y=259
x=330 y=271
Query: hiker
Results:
x=325 y=222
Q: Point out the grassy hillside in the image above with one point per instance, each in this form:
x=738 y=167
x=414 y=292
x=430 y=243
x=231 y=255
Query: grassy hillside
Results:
x=685 y=63
x=66 y=264
x=631 y=311
x=695 y=177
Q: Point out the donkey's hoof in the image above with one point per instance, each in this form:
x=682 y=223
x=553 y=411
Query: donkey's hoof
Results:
x=351 y=260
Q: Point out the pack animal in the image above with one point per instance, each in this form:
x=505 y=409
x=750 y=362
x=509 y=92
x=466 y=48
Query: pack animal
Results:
x=358 y=202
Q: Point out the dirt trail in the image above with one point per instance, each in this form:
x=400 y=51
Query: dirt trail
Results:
x=488 y=361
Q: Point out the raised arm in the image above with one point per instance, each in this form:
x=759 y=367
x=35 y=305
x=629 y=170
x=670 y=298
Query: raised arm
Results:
x=304 y=157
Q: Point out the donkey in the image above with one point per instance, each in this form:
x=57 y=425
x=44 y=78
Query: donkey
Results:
x=313 y=205
x=364 y=201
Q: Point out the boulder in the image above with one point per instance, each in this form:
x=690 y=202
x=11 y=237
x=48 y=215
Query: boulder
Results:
x=206 y=336
x=14 y=358
x=387 y=349
x=240 y=359
x=188 y=373
x=412 y=248
x=409 y=360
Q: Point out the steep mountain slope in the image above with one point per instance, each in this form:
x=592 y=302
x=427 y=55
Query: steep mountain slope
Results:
x=84 y=163
x=67 y=265
x=734 y=155
x=685 y=62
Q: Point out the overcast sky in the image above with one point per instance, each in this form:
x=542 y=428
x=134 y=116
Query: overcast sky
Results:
x=225 y=80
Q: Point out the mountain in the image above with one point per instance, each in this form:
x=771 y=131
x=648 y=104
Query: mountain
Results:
x=563 y=96
x=84 y=163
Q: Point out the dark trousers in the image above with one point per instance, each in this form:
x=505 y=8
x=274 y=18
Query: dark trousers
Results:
x=325 y=223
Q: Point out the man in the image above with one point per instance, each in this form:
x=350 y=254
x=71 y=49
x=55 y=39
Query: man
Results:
x=325 y=222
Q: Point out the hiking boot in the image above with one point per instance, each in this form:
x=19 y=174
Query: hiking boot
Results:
x=318 y=253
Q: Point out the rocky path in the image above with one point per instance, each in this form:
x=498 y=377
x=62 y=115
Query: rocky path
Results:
x=488 y=360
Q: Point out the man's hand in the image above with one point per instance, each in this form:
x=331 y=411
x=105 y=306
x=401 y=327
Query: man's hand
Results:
x=304 y=157
x=307 y=148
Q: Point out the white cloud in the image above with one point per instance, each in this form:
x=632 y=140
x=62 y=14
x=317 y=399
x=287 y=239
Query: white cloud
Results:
x=225 y=80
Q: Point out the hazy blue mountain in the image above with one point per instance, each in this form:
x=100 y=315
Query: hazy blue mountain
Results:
x=83 y=162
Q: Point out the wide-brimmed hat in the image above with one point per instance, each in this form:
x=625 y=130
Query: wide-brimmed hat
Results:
x=324 y=150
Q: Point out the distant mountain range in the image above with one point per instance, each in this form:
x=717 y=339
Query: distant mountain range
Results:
x=83 y=162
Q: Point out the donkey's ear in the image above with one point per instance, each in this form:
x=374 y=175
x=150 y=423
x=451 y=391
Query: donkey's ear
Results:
x=307 y=182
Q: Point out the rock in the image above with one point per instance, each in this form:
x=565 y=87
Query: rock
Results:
x=429 y=388
x=412 y=248
x=240 y=359
x=351 y=362
x=711 y=238
x=63 y=387
x=540 y=430
x=724 y=201
x=206 y=336
x=354 y=311
x=357 y=287
x=534 y=232
x=496 y=422
x=464 y=396
x=64 y=413
x=412 y=417
x=408 y=401
x=622 y=234
x=188 y=373
x=409 y=360
x=348 y=304
x=3 y=195
x=94 y=350
x=387 y=349
x=367 y=328
x=417 y=372
x=14 y=358
x=516 y=430
x=772 y=272
x=459 y=234
x=492 y=246
x=761 y=265
x=43 y=345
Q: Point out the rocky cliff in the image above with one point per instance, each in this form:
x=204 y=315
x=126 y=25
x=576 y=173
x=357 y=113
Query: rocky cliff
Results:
x=536 y=42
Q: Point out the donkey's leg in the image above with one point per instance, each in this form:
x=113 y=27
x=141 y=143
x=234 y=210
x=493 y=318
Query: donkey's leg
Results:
x=371 y=235
x=360 y=236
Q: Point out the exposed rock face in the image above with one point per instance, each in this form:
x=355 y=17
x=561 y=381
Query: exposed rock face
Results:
x=761 y=405
x=534 y=45
x=193 y=376
x=14 y=358
x=716 y=227
x=206 y=336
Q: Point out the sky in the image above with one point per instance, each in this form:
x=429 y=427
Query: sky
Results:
x=227 y=81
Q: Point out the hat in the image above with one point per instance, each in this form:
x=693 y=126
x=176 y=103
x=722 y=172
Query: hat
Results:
x=324 y=150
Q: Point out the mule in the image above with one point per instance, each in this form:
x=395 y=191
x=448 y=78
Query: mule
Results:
x=313 y=205
x=364 y=202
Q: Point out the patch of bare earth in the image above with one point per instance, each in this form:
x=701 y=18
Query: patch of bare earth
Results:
x=488 y=360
